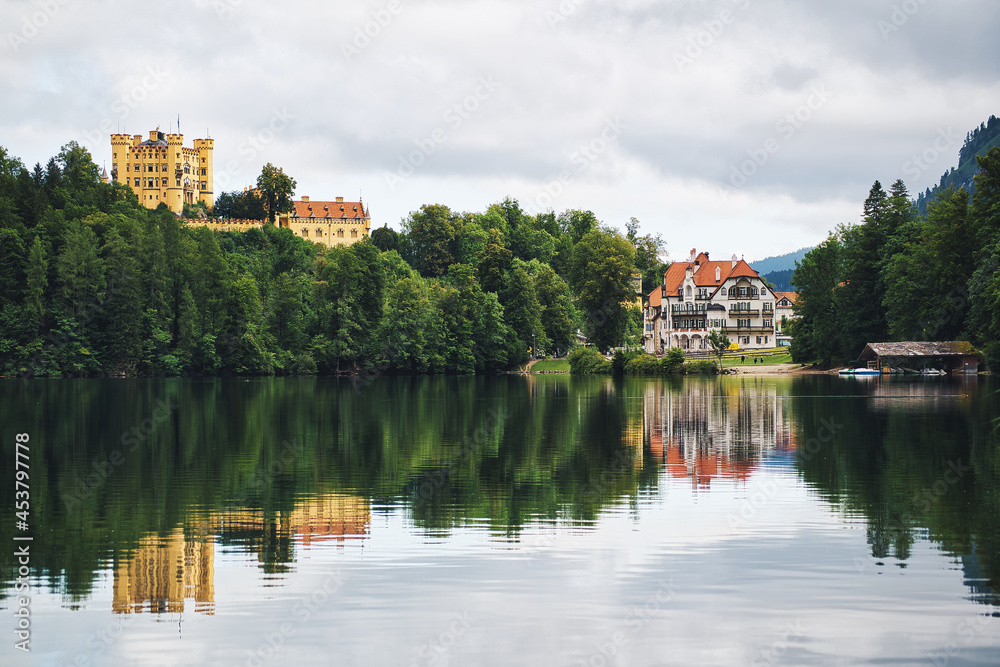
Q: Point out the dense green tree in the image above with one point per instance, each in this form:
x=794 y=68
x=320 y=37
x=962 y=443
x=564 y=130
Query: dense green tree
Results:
x=926 y=280
x=276 y=189
x=385 y=238
x=817 y=279
x=522 y=314
x=578 y=223
x=556 y=309
x=494 y=263
x=246 y=205
x=37 y=283
x=80 y=273
x=603 y=263
x=984 y=286
x=123 y=301
x=432 y=234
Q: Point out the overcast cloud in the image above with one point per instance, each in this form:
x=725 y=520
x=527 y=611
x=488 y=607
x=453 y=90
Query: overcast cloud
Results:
x=746 y=126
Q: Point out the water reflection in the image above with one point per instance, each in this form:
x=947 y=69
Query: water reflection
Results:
x=716 y=429
x=274 y=468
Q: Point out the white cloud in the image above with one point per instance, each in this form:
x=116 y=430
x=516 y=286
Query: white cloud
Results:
x=564 y=68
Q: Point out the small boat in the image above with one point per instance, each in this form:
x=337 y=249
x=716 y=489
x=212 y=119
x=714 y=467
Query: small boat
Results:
x=932 y=371
x=860 y=371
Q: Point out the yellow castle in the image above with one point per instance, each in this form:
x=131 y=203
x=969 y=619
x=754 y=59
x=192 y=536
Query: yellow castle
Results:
x=162 y=170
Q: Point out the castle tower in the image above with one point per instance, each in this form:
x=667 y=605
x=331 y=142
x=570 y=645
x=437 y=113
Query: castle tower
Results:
x=161 y=170
x=119 y=156
x=204 y=148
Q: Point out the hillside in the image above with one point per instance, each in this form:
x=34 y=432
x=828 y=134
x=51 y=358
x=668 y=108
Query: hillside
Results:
x=977 y=142
x=780 y=262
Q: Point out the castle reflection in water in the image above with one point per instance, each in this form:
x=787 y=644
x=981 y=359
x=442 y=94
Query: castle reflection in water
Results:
x=716 y=430
x=711 y=431
x=166 y=571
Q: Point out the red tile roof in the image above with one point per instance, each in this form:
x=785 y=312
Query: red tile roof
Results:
x=340 y=210
x=654 y=297
x=791 y=296
x=704 y=272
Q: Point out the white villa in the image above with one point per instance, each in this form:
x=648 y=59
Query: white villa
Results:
x=700 y=295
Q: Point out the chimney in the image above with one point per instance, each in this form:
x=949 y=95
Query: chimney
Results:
x=340 y=200
x=305 y=200
x=735 y=261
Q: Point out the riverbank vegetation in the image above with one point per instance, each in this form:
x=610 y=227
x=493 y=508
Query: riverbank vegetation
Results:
x=96 y=284
x=900 y=275
x=588 y=361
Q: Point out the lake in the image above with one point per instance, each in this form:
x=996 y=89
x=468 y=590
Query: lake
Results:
x=510 y=520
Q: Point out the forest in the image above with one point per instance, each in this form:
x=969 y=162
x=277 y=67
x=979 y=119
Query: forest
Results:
x=901 y=275
x=95 y=284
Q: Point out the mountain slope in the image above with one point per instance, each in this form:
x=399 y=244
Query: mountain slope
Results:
x=784 y=262
x=977 y=142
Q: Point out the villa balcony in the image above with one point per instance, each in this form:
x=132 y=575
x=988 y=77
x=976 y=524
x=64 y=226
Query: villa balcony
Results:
x=733 y=312
x=747 y=331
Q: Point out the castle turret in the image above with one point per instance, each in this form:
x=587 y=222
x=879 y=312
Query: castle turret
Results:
x=204 y=147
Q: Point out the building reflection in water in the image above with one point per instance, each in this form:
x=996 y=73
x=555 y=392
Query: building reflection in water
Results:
x=715 y=430
x=165 y=571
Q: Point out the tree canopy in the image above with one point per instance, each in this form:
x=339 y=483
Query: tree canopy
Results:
x=97 y=284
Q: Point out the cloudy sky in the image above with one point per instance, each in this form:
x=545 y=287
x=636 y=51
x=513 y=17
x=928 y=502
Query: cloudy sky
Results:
x=746 y=126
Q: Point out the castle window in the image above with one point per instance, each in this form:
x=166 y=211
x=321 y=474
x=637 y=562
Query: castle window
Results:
x=340 y=233
x=354 y=233
x=305 y=233
x=319 y=232
x=204 y=172
x=136 y=182
x=126 y=166
x=164 y=182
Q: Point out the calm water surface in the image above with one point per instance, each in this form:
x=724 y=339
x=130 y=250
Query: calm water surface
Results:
x=506 y=521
